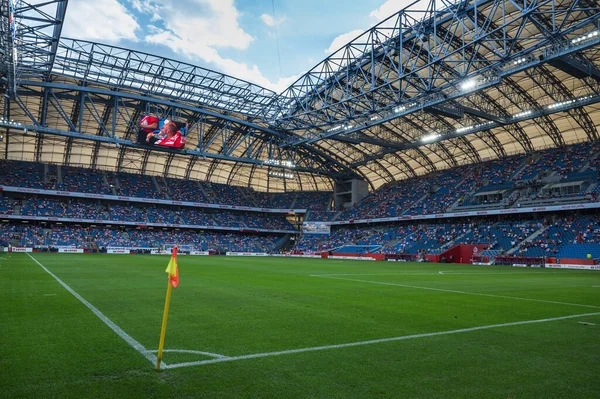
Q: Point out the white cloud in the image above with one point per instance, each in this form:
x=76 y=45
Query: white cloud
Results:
x=105 y=20
x=228 y=66
x=270 y=21
x=199 y=28
x=342 y=40
x=390 y=7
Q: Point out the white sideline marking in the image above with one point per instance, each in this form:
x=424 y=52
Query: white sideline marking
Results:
x=195 y=353
x=374 y=341
x=126 y=337
x=462 y=292
x=587 y=323
x=448 y=272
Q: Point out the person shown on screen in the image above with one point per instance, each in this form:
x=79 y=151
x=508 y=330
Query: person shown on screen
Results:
x=169 y=136
x=148 y=124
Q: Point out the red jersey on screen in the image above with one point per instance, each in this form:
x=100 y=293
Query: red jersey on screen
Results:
x=175 y=141
x=147 y=121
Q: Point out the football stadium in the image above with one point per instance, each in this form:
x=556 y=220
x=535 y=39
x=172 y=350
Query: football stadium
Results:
x=416 y=216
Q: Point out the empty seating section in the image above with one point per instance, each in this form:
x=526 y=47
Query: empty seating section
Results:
x=565 y=237
x=501 y=236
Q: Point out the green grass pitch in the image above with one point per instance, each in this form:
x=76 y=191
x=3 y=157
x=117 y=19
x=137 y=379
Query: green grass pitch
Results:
x=295 y=328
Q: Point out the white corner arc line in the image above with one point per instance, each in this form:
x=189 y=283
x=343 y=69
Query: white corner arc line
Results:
x=374 y=341
x=126 y=337
x=464 y=292
x=210 y=354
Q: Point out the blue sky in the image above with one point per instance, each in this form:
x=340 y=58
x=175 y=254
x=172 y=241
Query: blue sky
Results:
x=238 y=38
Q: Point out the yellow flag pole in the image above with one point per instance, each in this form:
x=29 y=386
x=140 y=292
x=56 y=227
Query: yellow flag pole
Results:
x=163 y=329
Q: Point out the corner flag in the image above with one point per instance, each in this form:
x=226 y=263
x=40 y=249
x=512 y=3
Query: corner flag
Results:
x=173 y=270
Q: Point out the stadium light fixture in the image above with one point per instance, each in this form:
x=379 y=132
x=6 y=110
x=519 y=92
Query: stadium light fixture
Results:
x=430 y=137
x=468 y=85
x=520 y=61
x=283 y=164
x=522 y=114
x=282 y=175
x=568 y=102
x=585 y=37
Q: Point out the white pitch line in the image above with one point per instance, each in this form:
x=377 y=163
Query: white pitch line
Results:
x=126 y=337
x=194 y=352
x=437 y=273
x=463 y=292
x=587 y=323
x=374 y=341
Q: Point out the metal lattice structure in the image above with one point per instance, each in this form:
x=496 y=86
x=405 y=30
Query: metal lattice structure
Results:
x=436 y=85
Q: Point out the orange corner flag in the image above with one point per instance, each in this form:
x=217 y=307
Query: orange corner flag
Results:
x=173 y=269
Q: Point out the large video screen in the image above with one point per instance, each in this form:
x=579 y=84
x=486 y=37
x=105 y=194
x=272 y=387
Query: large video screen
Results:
x=160 y=132
x=315 y=228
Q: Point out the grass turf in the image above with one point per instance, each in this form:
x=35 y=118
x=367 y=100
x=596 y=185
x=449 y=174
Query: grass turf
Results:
x=54 y=346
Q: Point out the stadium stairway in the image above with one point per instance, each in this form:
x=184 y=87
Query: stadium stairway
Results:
x=528 y=161
x=106 y=182
x=531 y=237
x=161 y=186
x=392 y=243
x=417 y=202
x=250 y=200
x=284 y=243
x=203 y=190
x=335 y=217
x=456 y=241
x=294 y=201
x=209 y=194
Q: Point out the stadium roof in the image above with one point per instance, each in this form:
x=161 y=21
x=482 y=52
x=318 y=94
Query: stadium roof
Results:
x=436 y=85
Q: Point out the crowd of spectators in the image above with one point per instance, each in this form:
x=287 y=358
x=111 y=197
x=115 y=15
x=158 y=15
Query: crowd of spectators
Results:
x=83 y=181
x=105 y=237
x=186 y=190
